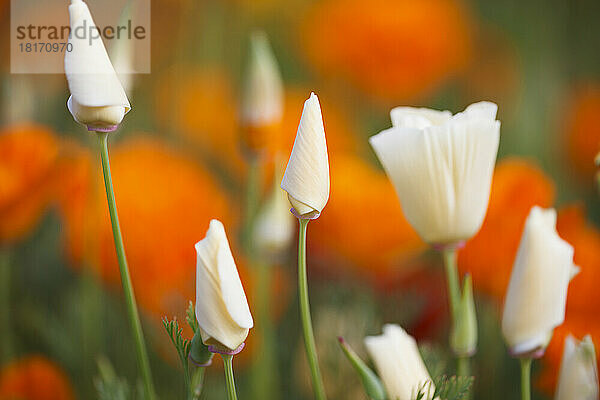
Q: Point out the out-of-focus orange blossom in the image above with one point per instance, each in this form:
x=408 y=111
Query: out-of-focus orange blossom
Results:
x=165 y=202
x=583 y=129
x=517 y=186
x=34 y=378
x=28 y=155
x=362 y=225
x=200 y=105
x=398 y=50
x=583 y=305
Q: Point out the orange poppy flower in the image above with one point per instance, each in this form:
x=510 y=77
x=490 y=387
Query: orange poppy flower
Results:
x=28 y=155
x=362 y=225
x=34 y=378
x=165 y=202
x=583 y=130
x=517 y=186
x=398 y=50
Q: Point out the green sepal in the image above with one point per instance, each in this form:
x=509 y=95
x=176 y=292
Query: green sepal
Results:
x=371 y=383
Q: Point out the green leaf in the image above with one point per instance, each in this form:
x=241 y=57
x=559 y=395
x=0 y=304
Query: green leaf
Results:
x=109 y=385
x=371 y=383
x=446 y=388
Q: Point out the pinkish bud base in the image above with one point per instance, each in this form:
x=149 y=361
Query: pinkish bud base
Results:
x=102 y=129
x=227 y=352
x=448 y=246
x=206 y=364
x=311 y=215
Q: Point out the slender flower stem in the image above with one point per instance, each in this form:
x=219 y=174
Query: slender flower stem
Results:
x=309 y=338
x=228 y=361
x=449 y=255
x=463 y=366
x=6 y=348
x=525 y=378
x=198 y=383
x=134 y=318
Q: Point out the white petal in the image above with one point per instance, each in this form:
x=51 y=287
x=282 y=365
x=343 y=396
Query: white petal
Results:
x=578 y=376
x=274 y=225
x=306 y=178
x=537 y=292
x=221 y=306
x=398 y=363
x=92 y=79
x=263 y=95
x=420 y=118
x=482 y=110
x=442 y=175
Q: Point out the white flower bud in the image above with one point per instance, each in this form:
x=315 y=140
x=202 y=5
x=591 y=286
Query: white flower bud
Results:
x=221 y=306
x=97 y=97
x=537 y=293
x=578 y=376
x=399 y=364
x=306 y=178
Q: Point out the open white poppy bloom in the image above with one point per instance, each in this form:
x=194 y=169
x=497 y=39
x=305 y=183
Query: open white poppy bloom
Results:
x=221 y=306
x=306 y=178
x=97 y=97
x=399 y=364
x=441 y=166
x=537 y=292
x=578 y=376
x=263 y=92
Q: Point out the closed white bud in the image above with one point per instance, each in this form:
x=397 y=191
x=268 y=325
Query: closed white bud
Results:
x=537 y=293
x=306 y=178
x=221 y=306
x=97 y=97
x=578 y=376
x=441 y=166
x=399 y=364
x=262 y=102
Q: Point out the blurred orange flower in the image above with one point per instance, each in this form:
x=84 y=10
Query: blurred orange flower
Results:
x=28 y=155
x=517 y=186
x=165 y=202
x=34 y=378
x=583 y=304
x=200 y=105
x=583 y=129
x=399 y=50
x=363 y=225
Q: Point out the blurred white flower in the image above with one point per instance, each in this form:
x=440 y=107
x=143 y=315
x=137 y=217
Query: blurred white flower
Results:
x=399 y=364
x=441 y=166
x=306 y=178
x=97 y=97
x=221 y=306
x=262 y=101
x=537 y=292
x=274 y=225
x=578 y=376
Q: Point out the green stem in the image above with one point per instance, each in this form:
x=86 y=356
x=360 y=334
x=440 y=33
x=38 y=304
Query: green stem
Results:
x=252 y=197
x=228 y=361
x=463 y=366
x=6 y=348
x=187 y=379
x=134 y=318
x=449 y=255
x=197 y=383
x=265 y=372
x=525 y=378
x=309 y=338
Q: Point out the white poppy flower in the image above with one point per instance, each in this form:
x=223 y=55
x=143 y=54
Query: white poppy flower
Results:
x=97 y=97
x=537 y=293
x=399 y=364
x=441 y=166
x=221 y=306
x=306 y=178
